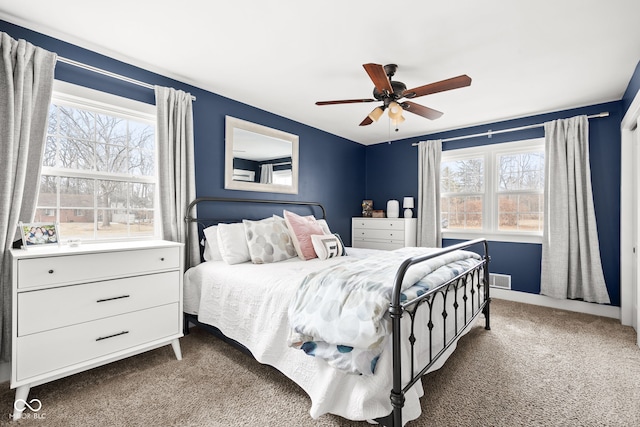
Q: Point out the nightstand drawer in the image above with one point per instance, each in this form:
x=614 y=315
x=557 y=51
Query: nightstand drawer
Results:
x=45 y=352
x=47 y=309
x=382 y=223
x=68 y=269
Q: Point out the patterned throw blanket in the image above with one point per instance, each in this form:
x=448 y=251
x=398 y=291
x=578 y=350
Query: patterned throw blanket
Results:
x=340 y=313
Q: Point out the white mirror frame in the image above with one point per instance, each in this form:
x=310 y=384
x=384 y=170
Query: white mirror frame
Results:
x=232 y=123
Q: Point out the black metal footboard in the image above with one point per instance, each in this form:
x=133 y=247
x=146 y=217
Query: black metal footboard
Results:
x=470 y=293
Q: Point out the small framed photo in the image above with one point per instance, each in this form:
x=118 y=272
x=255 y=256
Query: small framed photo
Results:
x=39 y=234
x=367 y=208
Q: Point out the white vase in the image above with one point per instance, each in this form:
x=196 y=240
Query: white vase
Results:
x=393 y=209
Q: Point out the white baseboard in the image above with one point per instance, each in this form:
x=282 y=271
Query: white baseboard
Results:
x=5 y=372
x=566 y=304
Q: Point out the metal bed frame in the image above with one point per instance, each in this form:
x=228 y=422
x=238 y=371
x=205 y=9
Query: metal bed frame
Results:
x=474 y=280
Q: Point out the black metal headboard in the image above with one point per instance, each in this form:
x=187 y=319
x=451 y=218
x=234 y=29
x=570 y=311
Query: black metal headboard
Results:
x=216 y=204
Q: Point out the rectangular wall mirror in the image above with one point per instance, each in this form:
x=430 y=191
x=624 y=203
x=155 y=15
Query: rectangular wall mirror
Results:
x=259 y=158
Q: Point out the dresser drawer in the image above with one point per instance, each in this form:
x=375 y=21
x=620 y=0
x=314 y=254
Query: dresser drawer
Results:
x=45 y=352
x=47 y=309
x=77 y=268
x=379 y=234
x=383 y=224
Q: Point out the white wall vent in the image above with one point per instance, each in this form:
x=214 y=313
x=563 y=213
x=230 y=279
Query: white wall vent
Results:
x=502 y=281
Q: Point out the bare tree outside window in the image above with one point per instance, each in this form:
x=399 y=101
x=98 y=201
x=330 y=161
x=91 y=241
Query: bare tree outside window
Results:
x=462 y=188
x=98 y=174
x=496 y=188
x=520 y=187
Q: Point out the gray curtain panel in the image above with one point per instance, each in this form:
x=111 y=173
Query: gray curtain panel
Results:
x=266 y=174
x=26 y=84
x=571 y=266
x=429 y=232
x=176 y=165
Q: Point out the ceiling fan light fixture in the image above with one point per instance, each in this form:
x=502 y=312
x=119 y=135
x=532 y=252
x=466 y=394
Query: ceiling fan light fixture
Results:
x=395 y=110
x=376 y=114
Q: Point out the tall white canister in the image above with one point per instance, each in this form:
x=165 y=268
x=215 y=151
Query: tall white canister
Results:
x=393 y=209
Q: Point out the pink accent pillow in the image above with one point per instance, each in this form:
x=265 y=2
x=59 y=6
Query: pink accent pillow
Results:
x=301 y=228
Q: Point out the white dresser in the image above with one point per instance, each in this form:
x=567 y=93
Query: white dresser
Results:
x=383 y=233
x=78 y=308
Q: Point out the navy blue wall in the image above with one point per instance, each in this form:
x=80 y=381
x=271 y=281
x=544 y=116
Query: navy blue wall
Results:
x=331 y=169
x=392 y=173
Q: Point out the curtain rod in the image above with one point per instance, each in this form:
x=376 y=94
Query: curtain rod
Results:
x=490 y=133
x=108 y=73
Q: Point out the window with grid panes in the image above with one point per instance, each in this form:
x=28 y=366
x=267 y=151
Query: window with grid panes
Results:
x=98 y=179
x=494 y=190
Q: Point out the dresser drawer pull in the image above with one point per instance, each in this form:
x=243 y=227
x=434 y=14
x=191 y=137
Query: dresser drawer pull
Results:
x=111 y=299
x=111 y=336
x=50 y=271
x=162 y=259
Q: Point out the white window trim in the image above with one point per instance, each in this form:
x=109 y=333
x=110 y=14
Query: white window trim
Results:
x=65 y=93
x=489 y=154
x=91 y=98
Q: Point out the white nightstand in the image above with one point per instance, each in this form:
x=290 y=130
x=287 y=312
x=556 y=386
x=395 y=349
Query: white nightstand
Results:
x=78 y=308
x=383 y=233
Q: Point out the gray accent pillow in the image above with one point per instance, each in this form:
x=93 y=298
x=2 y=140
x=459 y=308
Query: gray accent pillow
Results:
x=268 y=240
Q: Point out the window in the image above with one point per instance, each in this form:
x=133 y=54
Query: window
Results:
x=282 y=177
x=98 y=176
x=494 y=190
x=462 y=186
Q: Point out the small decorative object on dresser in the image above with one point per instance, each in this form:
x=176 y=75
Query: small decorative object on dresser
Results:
x=38 y=234
x=378 y=213
x=383 y=233
x=367 y=208
x=407 y=204
x=393 y=209
x=75 y=308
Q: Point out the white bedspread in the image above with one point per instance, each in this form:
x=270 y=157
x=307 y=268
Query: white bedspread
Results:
x=249 y=303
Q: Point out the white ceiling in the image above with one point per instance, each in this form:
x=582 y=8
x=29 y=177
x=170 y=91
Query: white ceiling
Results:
x=524 y=58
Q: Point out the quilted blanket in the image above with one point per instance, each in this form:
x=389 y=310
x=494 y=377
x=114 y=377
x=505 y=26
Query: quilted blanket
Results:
x=340 y=313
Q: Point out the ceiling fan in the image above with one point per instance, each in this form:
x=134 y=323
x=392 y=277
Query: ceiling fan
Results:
x=391 y=91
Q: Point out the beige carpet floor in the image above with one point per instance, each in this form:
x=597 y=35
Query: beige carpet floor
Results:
x=536 y=367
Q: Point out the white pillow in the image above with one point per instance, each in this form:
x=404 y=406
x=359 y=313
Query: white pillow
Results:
x=327 y=245
x=232 y=243
x=324 y=225
x=211 y=249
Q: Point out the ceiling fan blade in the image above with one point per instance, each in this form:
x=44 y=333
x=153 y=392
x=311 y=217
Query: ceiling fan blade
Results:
x=441 y=86
x=345 y=101
x=421 y=110
x=367 y=121
x=378 y=77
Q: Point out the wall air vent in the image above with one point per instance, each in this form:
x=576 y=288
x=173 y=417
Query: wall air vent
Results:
x=502 y=281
